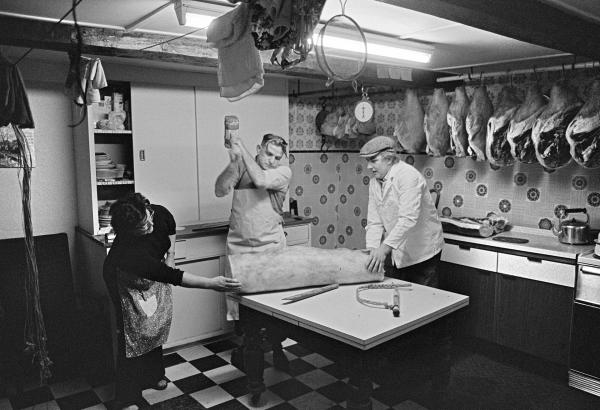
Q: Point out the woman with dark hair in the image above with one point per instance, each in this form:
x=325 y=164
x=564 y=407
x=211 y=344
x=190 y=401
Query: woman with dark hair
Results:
x=138 y=272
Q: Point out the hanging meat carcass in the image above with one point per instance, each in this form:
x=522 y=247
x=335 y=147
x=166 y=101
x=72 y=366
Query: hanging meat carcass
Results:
x=409 y=129
x=521 y=125
x=457 y=117
x=480 y=111
x=435 y=122
x=497 y=148
x=583 y=133
x=551 y=147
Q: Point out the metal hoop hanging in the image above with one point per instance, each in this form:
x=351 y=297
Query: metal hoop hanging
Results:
x=326 y=67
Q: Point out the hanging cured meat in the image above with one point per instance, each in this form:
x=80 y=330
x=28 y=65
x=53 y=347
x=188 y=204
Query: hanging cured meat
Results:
x=480 y=111
x=583 y=133
x=409 y=129
x=551 y=147
x=519 y=130
x=497 y=148
x=457 y=117
x=437 y=132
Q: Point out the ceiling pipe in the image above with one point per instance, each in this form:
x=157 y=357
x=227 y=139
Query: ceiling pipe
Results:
x=475 y=76
x=507 y=61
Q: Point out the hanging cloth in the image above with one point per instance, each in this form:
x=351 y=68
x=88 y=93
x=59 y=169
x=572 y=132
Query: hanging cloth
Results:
x=14 y=104
x=240 y=71
x=85 y=79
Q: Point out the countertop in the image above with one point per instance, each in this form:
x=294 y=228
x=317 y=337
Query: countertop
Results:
x=541 y=242
x=203 y=229
x=221 y=227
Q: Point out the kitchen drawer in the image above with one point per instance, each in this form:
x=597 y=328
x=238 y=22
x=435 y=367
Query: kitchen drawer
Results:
x=537 y=269
x=467 y=256
x=297 y=235
x=200 y=248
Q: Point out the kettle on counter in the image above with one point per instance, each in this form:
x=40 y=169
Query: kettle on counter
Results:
x=573 y=232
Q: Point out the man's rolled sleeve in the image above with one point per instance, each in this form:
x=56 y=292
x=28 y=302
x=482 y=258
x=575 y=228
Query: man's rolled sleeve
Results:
x=278 y=179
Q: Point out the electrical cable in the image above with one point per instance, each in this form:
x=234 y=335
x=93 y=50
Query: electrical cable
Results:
x=75 y=4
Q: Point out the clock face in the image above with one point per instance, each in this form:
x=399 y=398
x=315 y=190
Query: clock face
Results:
x=363 y=111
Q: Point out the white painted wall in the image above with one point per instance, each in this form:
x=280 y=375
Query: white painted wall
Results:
x=53 y=199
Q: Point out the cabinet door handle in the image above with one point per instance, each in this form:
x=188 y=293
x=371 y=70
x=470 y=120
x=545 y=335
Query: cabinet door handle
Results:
x=142 y=155
x=285 y=233
x=464 y=247
x=534 y=259
x=591 y=271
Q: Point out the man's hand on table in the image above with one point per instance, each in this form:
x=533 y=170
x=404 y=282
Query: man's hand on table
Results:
x=377 y=258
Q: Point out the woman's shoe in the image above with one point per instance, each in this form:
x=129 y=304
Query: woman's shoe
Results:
x=161 y=384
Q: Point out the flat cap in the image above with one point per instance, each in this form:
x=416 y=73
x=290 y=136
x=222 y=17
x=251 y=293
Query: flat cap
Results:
x=377 y=145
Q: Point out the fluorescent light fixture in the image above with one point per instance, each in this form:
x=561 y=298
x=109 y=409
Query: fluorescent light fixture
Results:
x=199 y=15
x=380 y=49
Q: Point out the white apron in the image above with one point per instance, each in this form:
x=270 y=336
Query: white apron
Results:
x=254 y=227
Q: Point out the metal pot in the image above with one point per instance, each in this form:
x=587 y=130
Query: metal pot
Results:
x=573 y=232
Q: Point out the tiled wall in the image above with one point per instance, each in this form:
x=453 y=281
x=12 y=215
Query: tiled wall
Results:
x=333 y=185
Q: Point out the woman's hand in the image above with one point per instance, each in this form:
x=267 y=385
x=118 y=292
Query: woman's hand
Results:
x=223 y=284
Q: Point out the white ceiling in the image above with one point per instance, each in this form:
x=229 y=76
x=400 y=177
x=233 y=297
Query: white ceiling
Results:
x=457 y=47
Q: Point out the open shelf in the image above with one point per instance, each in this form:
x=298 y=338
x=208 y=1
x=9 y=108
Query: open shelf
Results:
x=98 y=131
x=115 y=182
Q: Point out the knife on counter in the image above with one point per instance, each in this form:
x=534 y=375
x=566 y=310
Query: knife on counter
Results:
x=310 y=293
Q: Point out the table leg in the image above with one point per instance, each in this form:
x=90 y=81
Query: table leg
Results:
x=253 y=357
x=360 y=385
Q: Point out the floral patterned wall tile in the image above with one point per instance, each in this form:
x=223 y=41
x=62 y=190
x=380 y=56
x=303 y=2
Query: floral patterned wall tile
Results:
x=524 y=193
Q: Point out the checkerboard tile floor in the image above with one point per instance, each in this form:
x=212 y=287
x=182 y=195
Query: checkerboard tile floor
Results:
x=202 y=377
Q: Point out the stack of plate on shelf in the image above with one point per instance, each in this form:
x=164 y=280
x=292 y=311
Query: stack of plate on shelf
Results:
x=104 y=215
x=106 y=168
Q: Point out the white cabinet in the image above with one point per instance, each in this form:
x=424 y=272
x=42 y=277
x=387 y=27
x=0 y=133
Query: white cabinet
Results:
x=200 y=314
x=537 y=269
x=521 y=301
x=164 y=147
x=197 y=313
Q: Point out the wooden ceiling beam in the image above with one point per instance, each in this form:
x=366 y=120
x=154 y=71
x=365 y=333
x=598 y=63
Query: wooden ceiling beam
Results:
x=189 y=51
x=530 y=21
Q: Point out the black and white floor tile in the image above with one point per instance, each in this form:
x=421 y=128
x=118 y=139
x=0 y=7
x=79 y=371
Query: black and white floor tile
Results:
x=202 y=377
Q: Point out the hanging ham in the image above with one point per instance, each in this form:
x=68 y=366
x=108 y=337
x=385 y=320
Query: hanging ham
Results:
x=519 y=130
x=497 y=148
x=551 y=147
x=583 y=133
x=409 y=129
x=437 y=132
x=480 y=111
x=457 y=117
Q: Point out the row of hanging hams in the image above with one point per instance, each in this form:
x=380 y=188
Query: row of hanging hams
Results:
x=550 y=131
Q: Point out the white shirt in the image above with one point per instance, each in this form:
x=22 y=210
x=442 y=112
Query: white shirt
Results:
x=402 y=212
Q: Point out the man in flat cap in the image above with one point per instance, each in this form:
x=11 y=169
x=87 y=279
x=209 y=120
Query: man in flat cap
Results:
x=404 y=233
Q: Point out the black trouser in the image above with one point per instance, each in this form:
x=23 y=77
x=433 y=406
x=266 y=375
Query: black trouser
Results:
x=435 y=336
x=137 y=373
x=423 y=273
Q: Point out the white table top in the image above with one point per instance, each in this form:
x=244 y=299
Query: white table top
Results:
x=337 y=313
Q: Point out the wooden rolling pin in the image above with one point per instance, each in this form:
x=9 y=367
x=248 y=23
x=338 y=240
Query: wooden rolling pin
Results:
x=312 y=292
